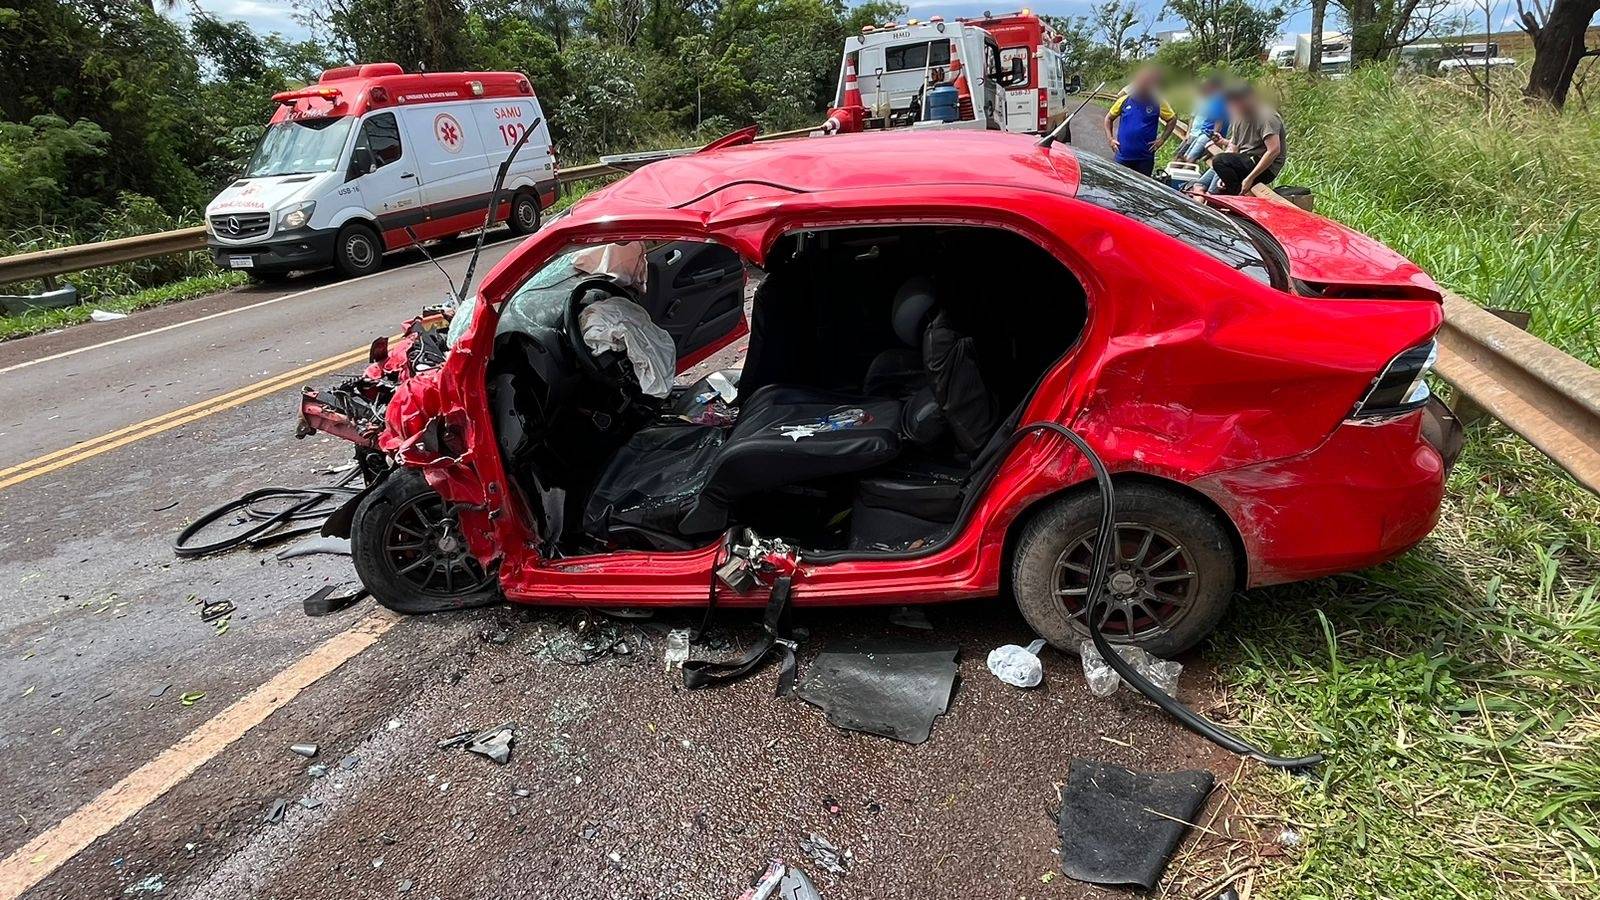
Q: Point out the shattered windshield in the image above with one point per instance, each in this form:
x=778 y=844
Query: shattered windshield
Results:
x=299 y=146
x=1146 y=200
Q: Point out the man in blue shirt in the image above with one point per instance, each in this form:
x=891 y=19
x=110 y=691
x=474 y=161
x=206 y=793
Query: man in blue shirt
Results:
x=1134 y=120
x=1210 y=120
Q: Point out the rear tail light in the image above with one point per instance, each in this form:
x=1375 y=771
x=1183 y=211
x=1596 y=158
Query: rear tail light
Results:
x=1044 y=108
x=1402 y=385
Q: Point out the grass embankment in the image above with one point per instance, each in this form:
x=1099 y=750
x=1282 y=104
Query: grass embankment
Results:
x=1456 y=690
x=42 y=320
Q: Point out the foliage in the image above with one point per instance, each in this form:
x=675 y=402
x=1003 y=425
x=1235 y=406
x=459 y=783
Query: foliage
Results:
x=1222 y=32
x=1456 y=689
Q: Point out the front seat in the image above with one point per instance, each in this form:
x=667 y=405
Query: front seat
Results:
x=790 y=435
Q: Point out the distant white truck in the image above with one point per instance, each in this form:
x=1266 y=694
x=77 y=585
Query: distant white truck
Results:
x=1335 y=53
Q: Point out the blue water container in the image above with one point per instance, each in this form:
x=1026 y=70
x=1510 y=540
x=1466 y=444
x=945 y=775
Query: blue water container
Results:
x=942 y=104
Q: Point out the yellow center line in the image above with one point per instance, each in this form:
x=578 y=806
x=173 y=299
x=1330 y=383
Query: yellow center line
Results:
x=66 y=456
x=34 y=861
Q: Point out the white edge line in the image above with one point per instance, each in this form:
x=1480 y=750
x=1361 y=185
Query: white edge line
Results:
x=228 y=312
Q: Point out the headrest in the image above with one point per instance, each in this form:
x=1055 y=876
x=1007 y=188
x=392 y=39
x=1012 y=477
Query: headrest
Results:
x=913 y=306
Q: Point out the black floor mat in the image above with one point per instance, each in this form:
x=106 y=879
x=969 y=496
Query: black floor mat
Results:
x=893 y=688
x=1120 y=827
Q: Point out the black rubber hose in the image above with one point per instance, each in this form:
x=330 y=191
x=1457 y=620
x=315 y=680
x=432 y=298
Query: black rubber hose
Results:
x=1105 y=546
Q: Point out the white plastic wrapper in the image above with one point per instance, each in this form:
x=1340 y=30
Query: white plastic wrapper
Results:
x=1103 y=680
x=619 y=324
x=1018 y=666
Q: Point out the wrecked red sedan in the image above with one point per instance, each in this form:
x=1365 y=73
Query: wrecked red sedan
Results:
x=1252 y=375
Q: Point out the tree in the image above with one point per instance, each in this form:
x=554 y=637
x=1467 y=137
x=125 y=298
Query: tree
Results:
x=1380 y=27
x=1319 y=18
x=420 y=35
x=1228 y=31
x=1558 y=32
x=1114 y=19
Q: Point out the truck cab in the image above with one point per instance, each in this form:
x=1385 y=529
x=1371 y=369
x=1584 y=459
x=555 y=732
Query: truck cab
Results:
x=371 y=159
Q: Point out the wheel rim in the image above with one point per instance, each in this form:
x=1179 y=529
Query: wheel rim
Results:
x=424 y=545
x=1149 y=589
x=527 y=213
x=359 y=250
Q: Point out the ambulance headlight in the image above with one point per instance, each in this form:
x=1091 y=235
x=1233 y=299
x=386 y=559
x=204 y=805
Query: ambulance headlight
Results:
x=297 y=216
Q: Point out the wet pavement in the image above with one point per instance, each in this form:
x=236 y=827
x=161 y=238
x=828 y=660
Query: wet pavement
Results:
x=620 y=783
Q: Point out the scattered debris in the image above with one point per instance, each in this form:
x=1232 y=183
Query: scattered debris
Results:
x=497 y=635
x=322 y=601
x=459 y=739
x=677 y=652
x=265 y=516
x=306 y=750
x=159 y=689
x=588 y=639
x=910 y=617
x=103 y=315
x=216 y=609
x=495 y=743
x=153 y=884
x=316 y=770
x=309 y=802
x=826 y=853
x=1120 y=827
x=888 y=687
x=1018 y=666
x=192 y=697
x=782 y=882
x=1103 y=680
x=405 y=886
x=349 y=762
x=335 y=546
x=275 y=811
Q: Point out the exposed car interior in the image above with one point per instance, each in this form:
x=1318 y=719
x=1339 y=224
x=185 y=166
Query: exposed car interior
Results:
x=886 y=366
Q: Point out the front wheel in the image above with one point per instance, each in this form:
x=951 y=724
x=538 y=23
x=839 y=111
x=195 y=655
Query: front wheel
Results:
x=524 y=217
x=357 y=251
x=1166 y=591
x=409 y=551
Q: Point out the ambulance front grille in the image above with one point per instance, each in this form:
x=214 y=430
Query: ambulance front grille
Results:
x=240 y=226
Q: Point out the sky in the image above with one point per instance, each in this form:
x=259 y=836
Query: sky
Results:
x=276 y=15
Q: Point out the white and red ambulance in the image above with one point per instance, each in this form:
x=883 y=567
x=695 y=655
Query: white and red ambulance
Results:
x=370 y=159
x=1038 y=103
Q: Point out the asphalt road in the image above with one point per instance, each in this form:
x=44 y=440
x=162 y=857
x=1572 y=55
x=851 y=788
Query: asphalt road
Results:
x=620 y=783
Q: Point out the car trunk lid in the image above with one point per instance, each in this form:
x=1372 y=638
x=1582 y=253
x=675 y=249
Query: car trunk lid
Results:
x=1327 y=259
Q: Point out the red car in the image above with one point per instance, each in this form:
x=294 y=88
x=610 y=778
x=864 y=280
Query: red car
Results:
x=1253 y=375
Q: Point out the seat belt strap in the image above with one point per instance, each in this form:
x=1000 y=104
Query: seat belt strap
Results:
x=774 y=639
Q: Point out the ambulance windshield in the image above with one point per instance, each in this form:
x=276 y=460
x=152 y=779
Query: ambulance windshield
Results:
x=298 y=146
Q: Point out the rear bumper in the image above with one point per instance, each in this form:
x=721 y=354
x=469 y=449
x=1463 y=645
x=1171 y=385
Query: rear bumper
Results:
x=286 y=251
x=1368 y=494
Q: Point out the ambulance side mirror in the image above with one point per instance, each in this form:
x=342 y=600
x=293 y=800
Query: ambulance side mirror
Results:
x=361 y=162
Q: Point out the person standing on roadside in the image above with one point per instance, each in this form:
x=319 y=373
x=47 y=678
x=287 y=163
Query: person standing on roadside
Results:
x=1139 y=122
x=1257 y=146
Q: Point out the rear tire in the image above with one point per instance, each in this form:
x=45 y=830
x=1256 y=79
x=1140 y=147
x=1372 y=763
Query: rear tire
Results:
x=357 y=251
x=524 y=217
x=1175 y=574
x=409 y=552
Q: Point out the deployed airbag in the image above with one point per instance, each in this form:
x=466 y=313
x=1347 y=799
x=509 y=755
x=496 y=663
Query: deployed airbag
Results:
x=619 y=324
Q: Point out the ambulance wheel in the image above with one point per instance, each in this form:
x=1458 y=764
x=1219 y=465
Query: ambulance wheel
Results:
x=1167 y=590
x=409 y=552
x=524 y=214
x=358 y=250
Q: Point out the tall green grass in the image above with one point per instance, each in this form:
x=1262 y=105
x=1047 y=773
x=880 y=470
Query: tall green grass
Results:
x=1457 y=689
x=1502 y=206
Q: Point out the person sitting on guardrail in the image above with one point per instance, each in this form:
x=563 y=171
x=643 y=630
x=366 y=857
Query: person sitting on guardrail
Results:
x=1135 y=118
x=1256 y=147
x=1210 y=120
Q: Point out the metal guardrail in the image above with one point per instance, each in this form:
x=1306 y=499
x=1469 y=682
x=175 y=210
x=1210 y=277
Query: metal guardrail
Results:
x=46 y=264
x=1549 y=398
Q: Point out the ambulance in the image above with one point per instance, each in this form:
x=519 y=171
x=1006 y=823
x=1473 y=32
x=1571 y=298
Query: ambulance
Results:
x=932 y=74
x=371 y=159
x=1038 y=103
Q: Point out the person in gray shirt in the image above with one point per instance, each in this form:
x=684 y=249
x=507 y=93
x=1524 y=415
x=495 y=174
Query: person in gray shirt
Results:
x=1256 y=144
